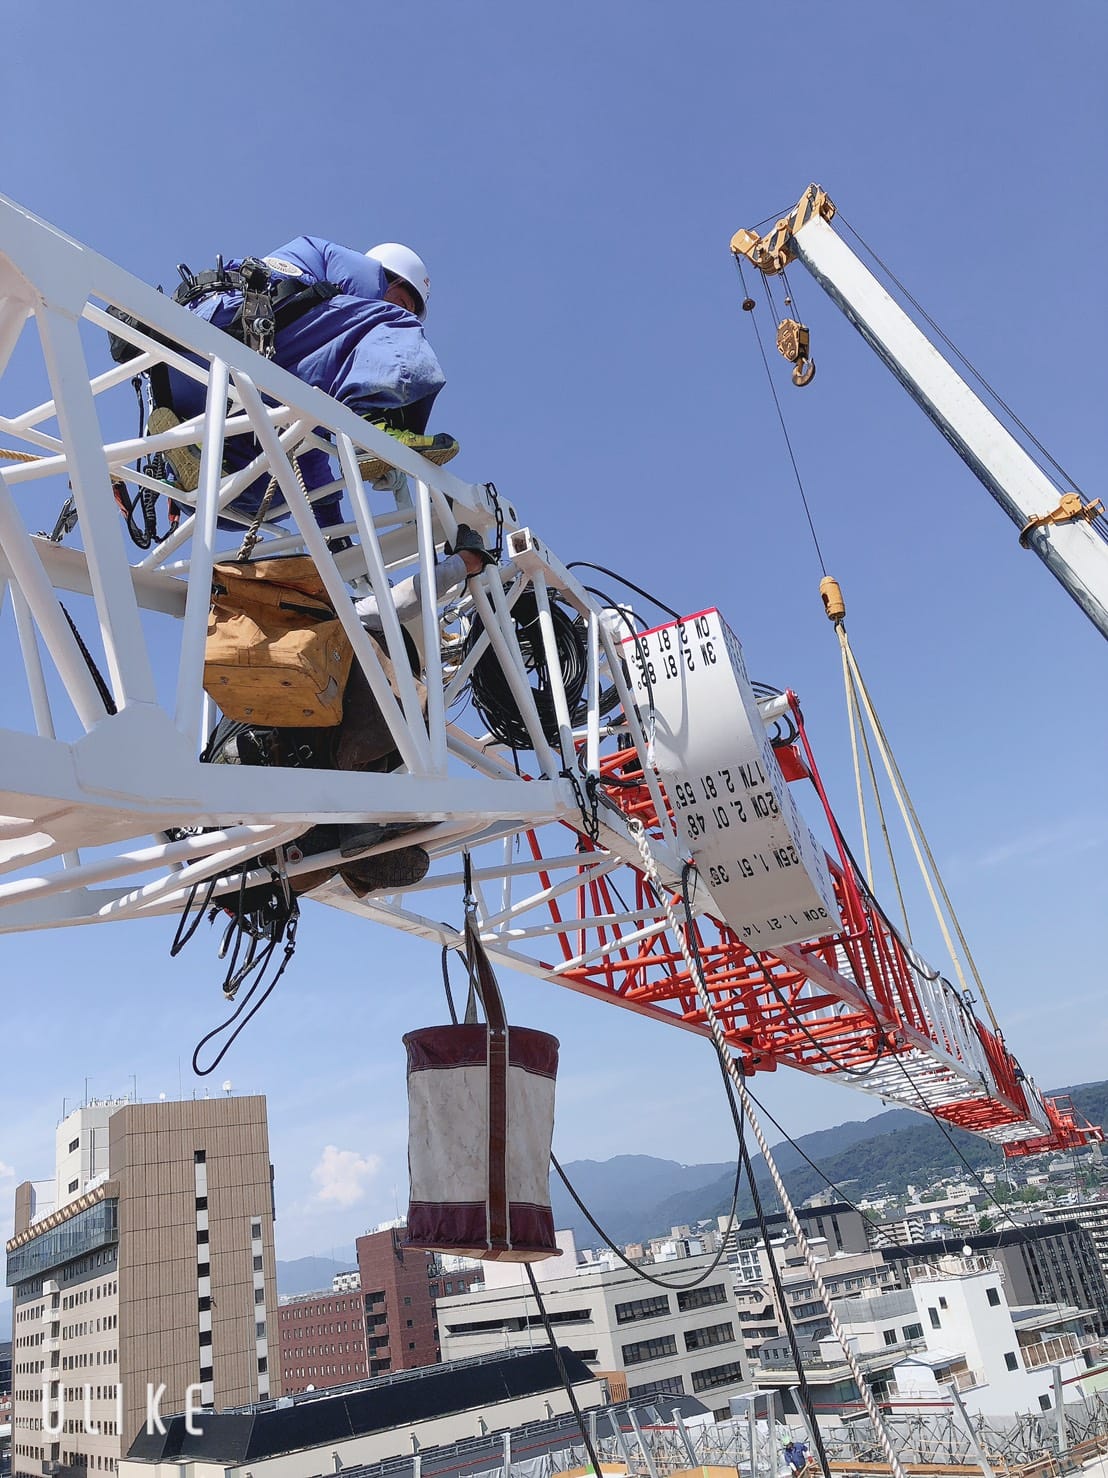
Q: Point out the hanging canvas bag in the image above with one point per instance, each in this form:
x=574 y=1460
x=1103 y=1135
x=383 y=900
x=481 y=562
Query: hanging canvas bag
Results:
x=276 y=653
x=480 y=1123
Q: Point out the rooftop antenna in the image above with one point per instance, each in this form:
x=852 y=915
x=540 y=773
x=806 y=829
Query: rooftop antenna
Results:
x=227 y=1086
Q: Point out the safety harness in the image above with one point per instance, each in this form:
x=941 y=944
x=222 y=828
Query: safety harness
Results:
x=269 y=303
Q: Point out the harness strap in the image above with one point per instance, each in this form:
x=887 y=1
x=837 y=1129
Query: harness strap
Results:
x=269 y=303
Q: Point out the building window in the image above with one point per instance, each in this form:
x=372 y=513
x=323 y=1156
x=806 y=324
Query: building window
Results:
x=205 y=1336
x=649 y=1349
x=204 y=1303
x=701 y=1298
x=201 y=1203
x=1010 y=1360
x=74 y=1144
x=1044 y=1403
x=933 y=1315
x=259 y=1295
x=257 y=1264
x=641 y=1308
x=203 y=1270
x=73 y=1184
x=263 y=1364
x=711 y=1334
x=202 y=1238
x=993 y=1295
x=199 y=1157
x=255 y=1229
x=912 y=1331
x=890 y=1336
x=717 y=1375
x=942 y=1302
x=671 y=1385
x=259 y=1330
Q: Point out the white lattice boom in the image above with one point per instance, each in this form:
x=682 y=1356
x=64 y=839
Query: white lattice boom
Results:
x=86 y=795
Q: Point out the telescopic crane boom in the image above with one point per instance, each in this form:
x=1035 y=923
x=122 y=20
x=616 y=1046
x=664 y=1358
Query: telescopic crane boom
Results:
x=1059 y=525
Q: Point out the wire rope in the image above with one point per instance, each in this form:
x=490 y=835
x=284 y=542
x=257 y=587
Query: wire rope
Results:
x=781 y=416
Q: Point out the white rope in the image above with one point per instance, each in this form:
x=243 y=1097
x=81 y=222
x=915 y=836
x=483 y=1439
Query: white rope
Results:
x=696 y=976
x=918 y=839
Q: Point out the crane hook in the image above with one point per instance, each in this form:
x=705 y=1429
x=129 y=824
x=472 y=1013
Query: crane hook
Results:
x=804 y=372
x=793 y=344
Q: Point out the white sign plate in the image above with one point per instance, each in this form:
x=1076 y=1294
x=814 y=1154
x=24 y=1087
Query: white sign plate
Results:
x=765 y=870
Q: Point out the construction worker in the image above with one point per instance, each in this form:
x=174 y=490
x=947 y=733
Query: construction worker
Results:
x=362 y=741
x=348 y=322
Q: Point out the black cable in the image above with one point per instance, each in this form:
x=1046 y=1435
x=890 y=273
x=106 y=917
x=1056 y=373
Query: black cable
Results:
x=492 y=694
x=950 y=1140
x=635 y=1267
x=780 y=415
x=563 y=1373
x=690 y=932
x=823 y=1175
x=584 y=564
x=94 y=671
x=446 y=984
x=286 y=930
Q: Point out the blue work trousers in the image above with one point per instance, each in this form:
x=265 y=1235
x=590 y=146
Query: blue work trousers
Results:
x=369 y=354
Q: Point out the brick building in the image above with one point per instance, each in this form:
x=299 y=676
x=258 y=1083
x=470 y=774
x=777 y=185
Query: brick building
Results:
x=387 y=1323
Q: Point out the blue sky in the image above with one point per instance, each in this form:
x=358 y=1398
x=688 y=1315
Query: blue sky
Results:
x=573 y=175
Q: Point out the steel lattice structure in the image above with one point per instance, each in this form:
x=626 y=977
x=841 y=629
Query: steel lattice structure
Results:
x=87 y=794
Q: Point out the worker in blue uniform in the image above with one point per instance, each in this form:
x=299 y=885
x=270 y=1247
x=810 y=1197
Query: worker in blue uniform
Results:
x=348 y=322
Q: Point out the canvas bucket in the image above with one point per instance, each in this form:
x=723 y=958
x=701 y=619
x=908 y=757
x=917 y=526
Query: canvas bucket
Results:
x=480 y=1124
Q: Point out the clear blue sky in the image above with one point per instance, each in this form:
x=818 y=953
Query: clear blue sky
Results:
x=573 y=174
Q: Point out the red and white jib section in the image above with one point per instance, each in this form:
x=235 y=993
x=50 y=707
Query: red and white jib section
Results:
x=480 y=1124
x=767 y=874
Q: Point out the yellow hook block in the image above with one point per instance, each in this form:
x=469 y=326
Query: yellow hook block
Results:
x=832 y=598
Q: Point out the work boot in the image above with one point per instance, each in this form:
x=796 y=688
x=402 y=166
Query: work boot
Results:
x=185 y=460
x=386 y=872
x=438 y=449
x=359 y=836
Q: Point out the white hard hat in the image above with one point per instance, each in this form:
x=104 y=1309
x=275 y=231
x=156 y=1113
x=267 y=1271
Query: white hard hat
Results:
x=403 y=262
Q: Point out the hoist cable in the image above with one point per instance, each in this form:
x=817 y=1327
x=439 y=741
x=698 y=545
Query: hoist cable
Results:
x=781 y=416
x=957 y=353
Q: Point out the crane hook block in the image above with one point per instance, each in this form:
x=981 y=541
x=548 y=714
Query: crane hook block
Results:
x=794 y=343
x=832 y=598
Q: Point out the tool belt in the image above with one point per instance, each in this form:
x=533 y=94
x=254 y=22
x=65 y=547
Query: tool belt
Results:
x=269 y=303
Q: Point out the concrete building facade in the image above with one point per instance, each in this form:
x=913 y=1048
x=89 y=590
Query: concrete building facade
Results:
x=677 y=1341
x=149 y=1276
x=1046 y=1263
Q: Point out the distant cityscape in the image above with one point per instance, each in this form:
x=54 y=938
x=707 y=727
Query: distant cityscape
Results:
x=147 y=1301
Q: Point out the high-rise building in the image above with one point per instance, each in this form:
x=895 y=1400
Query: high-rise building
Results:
x=142 y=1275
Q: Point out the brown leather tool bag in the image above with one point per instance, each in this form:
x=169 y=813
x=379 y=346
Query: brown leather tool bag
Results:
x=276 y=653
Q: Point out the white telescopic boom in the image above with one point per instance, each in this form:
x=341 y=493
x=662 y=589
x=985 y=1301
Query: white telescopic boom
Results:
x=1075 y=553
